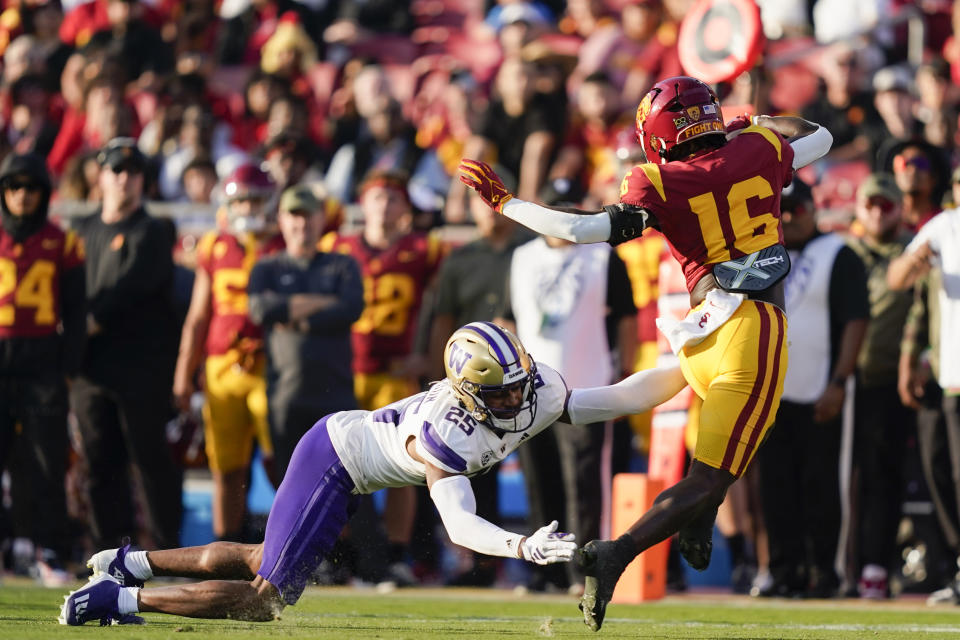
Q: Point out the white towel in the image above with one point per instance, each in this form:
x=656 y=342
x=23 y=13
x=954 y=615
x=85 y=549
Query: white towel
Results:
x=702 y=321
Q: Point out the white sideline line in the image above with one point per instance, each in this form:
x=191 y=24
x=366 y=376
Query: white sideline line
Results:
x=900 y=628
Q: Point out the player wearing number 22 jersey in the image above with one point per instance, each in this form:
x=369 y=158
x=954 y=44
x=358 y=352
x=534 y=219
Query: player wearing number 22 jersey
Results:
x=41 y=289
x=714 y=192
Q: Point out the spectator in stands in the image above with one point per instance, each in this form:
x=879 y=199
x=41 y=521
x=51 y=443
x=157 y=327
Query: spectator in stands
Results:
x=43 y=271
x=826 y=299
x=521 y=127
x=83 y=19
x=882 y=422
x=104 y=115
x=199 y=180
x=397 y=265
x=588 y=156
x=122 y=395
x=843 y=108
x=894 y=101
x=190 y=136
x=471 y=286
x=306 y=302
x=289 y=159
x=933 y=258
x=31 y=129
x=81 y=178
x=289 y=53
x=936 y=109
x=519 y=23
x=42 y=21
x=359 y=22
x=262 y=89
x=289 y=114
x=647 y=26
x=143 y=55
x=566 y=299
x=386 y=141
x=606 y=47
x=219 y=333
x=19 y=59
x=248 y=25
x=916 y=167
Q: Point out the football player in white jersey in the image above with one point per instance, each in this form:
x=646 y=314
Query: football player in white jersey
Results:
x=493 y=398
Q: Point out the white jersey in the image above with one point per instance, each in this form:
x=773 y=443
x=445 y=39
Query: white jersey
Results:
x=372 y=444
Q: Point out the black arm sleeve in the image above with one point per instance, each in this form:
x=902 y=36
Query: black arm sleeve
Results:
x=627 y=222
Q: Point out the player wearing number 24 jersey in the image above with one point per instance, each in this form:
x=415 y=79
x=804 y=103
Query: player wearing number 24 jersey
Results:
x=493 y=398
x=41 y=291
x=714 y=192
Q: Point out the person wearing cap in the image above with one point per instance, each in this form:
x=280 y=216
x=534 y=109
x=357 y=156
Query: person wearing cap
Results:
x=919 y=175
x=826 y=299
x=306 y=302
x=41 y=286
x=397 y=264
x=219 y=337
x=289 y=159
x=929 y=367
x=881 y=421
x=122 y=395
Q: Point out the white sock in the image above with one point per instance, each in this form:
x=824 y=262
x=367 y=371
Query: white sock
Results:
x=127 y=600
x=137 y=564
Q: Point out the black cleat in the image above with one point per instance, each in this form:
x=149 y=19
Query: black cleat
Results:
x=696 y=547
x=602 y=562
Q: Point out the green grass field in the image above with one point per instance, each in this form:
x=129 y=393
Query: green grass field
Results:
x=28 y=612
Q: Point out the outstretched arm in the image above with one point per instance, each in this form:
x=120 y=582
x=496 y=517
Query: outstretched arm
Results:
x=568 y=223
x=457 y=505
x=635 y=394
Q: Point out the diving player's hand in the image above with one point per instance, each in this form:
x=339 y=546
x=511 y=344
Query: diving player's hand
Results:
x=547 y=545
x=482 y=179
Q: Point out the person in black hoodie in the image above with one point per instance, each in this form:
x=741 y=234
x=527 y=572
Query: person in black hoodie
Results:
x=41 y=332
x=122 y=395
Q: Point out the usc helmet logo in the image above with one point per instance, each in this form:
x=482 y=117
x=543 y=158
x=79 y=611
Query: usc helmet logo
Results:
x=644 y=109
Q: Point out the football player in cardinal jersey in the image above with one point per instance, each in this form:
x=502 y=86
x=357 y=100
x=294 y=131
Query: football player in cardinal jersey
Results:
x=714 y=192
x=41 y=287
x=218 y=326
x=397 y=265
x=493 y=398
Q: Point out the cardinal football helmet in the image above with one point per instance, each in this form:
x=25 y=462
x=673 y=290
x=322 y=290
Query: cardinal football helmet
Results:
x=247 y=196
x=676 y=110
x=487 y=366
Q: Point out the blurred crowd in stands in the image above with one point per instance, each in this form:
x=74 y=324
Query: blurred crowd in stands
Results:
x=321 y=251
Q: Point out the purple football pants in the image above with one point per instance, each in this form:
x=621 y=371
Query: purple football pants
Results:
x=312 y=506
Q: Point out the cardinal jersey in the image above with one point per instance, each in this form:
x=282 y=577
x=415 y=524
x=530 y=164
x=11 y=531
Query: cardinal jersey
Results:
x=30 y=276
x=228 y=260
x=372 y=444
x=720 y=205
x=393 y=284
